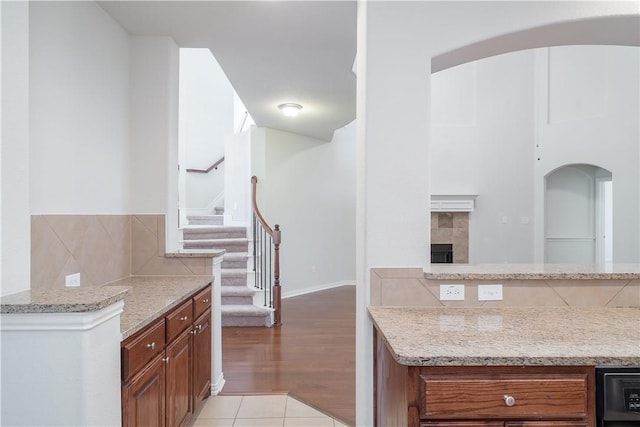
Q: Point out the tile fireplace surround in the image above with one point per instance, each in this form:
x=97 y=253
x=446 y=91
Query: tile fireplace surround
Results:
x=452 y=228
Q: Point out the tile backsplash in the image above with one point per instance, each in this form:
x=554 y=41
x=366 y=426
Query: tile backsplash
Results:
x=103 y=248
x=408 y=287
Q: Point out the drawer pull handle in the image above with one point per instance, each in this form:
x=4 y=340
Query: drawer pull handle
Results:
x=206 y=300
x=152 y=345
x=509 y=400
x=184 y=318
x=165 y=359
x=199 y=327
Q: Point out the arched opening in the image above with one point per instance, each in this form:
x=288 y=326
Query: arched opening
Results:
x=578 y=215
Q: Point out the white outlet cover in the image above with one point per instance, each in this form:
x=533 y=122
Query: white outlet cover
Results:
x=451 y=292
x=72 y=280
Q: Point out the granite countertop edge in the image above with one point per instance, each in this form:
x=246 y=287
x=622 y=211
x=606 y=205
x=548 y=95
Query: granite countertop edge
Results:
x=85 y=300
x=410 y=357
x=530 y=276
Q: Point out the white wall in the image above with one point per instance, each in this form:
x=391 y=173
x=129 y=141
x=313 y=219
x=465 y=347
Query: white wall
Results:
x=588 y=109
x=237 y=177
x=483 y=143
x=308 y=187
x=154 y=130
x=79 y=110
x=487 y=139
x=206 y=121
x=15 y=224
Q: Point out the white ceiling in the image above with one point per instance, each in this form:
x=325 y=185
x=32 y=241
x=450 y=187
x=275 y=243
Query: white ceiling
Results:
x=272 y=52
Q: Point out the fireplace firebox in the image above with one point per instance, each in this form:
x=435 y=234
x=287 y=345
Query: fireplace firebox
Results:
x=442 y=253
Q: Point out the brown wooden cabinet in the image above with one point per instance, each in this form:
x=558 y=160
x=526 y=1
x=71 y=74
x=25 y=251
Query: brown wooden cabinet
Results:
x=481 y=396
x=166 y=367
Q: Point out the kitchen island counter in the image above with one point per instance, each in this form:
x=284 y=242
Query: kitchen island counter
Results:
x=517 y=336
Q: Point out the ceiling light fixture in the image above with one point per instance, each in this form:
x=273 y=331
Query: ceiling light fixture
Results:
x=290 y=109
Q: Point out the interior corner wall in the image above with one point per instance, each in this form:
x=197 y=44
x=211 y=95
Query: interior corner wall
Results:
x=15 y=224
x=79 y=110
x=206 y=122
x=309 y=189
x=154 y=129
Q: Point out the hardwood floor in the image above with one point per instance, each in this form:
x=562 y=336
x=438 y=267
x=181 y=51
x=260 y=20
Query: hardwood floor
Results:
x=311 y=356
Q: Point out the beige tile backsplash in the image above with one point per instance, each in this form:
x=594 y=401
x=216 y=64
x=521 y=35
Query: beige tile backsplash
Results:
x=103 y=248
x=408 y=287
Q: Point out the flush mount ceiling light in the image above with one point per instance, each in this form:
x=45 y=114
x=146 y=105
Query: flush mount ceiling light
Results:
x=290 y=109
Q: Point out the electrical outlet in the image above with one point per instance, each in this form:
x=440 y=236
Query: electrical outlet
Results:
x=492 y=292
x=451 y=292
x=72 y=280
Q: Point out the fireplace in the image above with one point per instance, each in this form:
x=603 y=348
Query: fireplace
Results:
x=441 y=253
x=450 y=237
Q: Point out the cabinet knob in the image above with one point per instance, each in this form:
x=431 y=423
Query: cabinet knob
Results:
x=509 y=400
x=184 y=318
x=165 y=359
x=206 y=300
x=151 y=345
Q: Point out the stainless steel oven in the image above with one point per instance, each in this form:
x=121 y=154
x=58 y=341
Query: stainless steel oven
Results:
x=618 y=396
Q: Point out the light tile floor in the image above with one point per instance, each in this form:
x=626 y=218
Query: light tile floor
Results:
x=278 y=410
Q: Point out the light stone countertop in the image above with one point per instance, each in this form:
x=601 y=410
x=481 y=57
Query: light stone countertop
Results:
x=62 y=300
x=150 y=297
x=532 y=272
x=196 y=253
x=537 y=336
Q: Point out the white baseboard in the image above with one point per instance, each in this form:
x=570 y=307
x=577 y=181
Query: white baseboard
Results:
x=317 y=288
x=216 y=387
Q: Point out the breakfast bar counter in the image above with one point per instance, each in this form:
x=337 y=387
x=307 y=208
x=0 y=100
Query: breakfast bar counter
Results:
x=520 y=336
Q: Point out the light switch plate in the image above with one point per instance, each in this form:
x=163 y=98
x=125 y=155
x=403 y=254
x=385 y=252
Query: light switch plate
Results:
x=490 y=292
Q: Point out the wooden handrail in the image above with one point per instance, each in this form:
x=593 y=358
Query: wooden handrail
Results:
x=276 y=238
x=210 y=168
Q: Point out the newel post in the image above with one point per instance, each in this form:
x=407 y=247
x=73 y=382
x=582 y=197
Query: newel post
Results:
x=277 y=299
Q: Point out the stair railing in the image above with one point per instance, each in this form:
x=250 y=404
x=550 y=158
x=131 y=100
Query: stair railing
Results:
x=266 y=258
x=210 y=168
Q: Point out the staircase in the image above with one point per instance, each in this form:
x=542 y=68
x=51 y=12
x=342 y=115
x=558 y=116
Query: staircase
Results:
x=238 y=309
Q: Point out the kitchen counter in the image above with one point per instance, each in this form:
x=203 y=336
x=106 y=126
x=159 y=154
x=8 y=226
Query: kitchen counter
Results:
x=536 y=336
x=145 y=298
x=149 y=297
x=532 y=272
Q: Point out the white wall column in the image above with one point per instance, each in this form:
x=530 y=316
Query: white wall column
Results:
x=392 y=190
x=154 y=131
x=15 y=224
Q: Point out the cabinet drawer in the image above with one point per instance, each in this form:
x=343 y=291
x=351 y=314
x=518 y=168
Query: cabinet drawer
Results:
x=537 y=396
x=179 y=320
x=201 y=302
x=140 y=349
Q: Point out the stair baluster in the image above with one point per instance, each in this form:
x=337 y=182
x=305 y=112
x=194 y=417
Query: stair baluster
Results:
x=266 y=256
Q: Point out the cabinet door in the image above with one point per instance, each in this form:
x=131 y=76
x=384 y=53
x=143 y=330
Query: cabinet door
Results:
x=143 y=398
x=178 y=391
x=202 y=357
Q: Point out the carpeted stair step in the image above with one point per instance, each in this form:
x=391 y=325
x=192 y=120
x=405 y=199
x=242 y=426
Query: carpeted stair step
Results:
x=235 y=260
x=203 y=232
x=231 y=245
x=237 y=295
x=205 y=219
x=246 y=316
x=233 y=277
